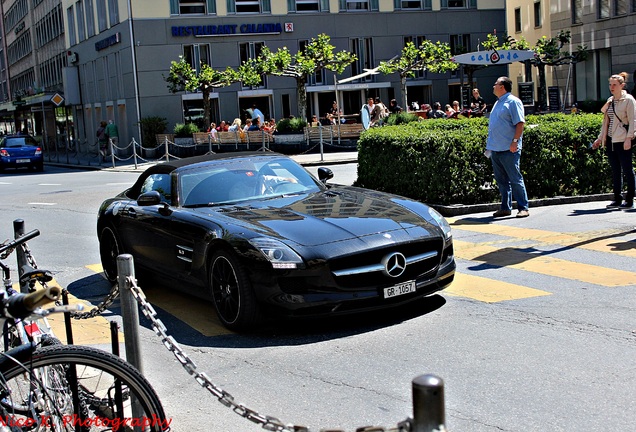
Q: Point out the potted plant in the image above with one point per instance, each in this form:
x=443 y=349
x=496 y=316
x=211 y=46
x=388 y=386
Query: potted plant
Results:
x=150 y=128
x=183 y=138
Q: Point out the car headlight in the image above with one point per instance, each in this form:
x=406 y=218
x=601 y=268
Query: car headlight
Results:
x=441 y=221
x=278 y=253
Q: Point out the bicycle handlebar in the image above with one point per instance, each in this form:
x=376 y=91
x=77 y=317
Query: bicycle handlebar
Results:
x=22 y=305
x=13 y=243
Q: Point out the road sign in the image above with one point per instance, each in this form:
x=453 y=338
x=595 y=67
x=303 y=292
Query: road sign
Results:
x=57 y=99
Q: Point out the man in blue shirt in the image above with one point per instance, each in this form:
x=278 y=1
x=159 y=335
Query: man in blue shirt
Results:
x=505 y=130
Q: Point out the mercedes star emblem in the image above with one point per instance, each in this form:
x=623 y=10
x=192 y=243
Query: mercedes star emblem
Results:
x=394 y=264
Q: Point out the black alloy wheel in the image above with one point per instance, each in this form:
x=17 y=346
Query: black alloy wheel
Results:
x=232 y=293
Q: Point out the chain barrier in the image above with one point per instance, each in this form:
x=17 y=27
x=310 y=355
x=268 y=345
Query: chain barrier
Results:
x=266 y=422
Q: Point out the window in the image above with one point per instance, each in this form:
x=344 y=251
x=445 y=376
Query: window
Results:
x=308 y=5
x=459 y=44
x=249 y=6
x=603 y=9
x=196 y=55
x=518 y=20
x=355 y=5
x=79 y=12
x=537 y=14
x=159 y=183
x=113 y=12
x=70 y=17
x=363 y=49
x=191 y=7
x=90 y=19
x=251 y=50
x=620 y=7
x=412 y=4
x=102 y=24
x=458 y=4
x=577 y=12
x=358 y=5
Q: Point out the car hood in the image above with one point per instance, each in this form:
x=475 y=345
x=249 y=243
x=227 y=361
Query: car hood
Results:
x=340 y=214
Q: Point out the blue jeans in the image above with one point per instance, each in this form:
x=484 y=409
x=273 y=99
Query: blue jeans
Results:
x=505 y=165
x=620 y=161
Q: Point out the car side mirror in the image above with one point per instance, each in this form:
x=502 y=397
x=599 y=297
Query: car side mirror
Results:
x=149 y=198
x=324 y=174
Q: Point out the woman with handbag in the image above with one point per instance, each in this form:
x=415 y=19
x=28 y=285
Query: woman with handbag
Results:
x=616 y=136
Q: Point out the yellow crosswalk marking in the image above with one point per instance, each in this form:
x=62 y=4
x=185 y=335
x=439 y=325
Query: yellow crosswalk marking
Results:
x=600 y=241
x=489 y=290
x=200 y=315
x=539 y=262
x=92 y=331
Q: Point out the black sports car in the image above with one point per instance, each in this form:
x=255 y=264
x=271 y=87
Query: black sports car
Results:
x=256 y=232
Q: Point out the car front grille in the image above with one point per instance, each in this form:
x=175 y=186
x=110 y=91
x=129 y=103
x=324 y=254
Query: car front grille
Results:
x=367 y=269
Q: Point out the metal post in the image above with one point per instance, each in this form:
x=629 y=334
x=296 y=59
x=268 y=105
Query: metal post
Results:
x=428 y=404
x=18 y=231
x=134 y=146
x=129 y=310
x=67 y=319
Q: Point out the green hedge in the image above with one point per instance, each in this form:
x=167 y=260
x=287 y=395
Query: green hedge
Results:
x=442 y=162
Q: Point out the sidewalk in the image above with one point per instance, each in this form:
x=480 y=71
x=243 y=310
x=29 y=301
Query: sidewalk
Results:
x=308 y=159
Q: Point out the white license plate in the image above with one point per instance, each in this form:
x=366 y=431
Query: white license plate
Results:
x=22 y=160
x=399 y=289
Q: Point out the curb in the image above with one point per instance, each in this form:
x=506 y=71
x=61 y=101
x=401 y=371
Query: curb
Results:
x=461 y=209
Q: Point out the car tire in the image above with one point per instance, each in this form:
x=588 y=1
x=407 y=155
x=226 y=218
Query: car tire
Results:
x=109 y=250
x=39 y=167
x=232 y=293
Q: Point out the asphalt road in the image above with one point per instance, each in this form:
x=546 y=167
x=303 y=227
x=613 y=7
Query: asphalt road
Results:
x=536 y=334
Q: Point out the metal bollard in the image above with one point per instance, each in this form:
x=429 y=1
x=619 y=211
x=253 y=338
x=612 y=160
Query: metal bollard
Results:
x=428 y=404
x=129 y=310
x=18 y=231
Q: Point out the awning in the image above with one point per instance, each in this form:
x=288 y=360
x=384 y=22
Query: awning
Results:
x=493 y=57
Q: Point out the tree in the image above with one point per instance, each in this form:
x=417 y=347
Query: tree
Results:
x=314 y=57
x=549 y=52
x=434 y=57
x=184 y=77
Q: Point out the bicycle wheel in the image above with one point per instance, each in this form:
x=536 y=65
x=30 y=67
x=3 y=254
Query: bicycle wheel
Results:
x=70 y=388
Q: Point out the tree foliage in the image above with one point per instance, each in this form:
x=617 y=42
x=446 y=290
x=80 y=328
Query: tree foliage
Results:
x=182 y=76
x=547 y=52
x=316 y=56
x=431 y=56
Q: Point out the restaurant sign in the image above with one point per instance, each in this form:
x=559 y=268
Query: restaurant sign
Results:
x=226 y=29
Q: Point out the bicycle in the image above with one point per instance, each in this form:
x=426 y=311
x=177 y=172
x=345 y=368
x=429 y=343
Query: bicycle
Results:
x=67 y=388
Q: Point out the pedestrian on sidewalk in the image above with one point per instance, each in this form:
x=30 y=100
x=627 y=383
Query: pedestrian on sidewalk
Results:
x=617 y=131
x=503 y=145
x=102 y=139
x=112 y=132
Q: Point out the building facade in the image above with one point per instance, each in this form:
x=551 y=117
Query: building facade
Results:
x=31 y=63
x=121 y=51
x=608 y=29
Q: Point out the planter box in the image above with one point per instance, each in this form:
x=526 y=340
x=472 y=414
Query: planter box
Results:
x=298 y=138
x=288 y=143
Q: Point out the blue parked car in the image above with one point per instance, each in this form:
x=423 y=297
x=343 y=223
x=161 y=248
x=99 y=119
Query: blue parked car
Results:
x=18 y=151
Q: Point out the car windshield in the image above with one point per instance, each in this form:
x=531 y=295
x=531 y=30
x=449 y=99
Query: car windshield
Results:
x=235 y=180
x=14 y=142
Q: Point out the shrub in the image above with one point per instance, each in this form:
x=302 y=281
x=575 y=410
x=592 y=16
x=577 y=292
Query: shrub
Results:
x=185 y=130
x=442 y=161
x=401 y=118
x=289 y=126
x=151 y=126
